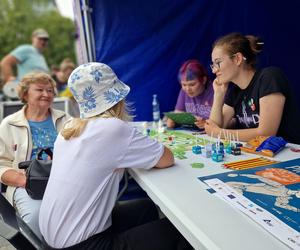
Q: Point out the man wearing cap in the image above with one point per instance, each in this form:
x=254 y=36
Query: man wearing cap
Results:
x=27 y=58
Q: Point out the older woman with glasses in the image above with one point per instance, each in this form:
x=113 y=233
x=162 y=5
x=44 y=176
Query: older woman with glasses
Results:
x=259 y=102
x=22 y=134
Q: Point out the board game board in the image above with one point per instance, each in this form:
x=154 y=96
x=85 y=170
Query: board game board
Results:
x=272 y=196
x=178 y=142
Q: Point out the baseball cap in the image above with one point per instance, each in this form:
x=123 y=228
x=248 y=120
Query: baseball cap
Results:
x=40 y=33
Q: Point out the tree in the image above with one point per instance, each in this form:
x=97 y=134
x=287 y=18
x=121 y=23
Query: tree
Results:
x=19 y=18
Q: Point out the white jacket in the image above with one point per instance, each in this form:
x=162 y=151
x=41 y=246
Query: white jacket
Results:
x=16 y=141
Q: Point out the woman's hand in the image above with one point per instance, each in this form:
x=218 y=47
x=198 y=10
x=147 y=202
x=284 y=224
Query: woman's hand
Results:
x=170 y=123
x=219 y=87
x=200 y=122
x=22 y=179
x=211 y=128
x=13 y=177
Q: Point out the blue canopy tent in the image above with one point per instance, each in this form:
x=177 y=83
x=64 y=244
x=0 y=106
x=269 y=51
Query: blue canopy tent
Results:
x=145 y=42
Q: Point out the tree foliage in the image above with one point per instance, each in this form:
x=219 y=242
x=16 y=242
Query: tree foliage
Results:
x=19 y=18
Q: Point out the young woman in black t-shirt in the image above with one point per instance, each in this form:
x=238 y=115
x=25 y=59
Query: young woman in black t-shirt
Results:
x=258 y=102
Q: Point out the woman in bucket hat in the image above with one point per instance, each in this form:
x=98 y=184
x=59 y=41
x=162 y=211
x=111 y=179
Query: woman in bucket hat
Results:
x=79 y=208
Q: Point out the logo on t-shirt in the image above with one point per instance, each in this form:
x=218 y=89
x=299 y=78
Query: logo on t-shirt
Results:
x=249 y=120
x=251 y=104
x=198 y=109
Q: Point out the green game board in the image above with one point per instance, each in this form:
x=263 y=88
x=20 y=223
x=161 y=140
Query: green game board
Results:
x=181 y=142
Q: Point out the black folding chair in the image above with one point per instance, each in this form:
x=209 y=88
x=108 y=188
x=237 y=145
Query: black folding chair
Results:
x=15 y=230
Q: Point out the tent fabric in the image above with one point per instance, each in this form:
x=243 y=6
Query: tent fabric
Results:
x=145 y=42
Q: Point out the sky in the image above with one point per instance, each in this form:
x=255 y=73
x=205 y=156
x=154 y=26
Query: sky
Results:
x=66 y=8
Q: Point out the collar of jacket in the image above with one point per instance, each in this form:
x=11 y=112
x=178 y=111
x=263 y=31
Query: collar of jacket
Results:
x=19 y=118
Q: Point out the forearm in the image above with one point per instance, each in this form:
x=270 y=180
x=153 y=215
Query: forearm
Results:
x=14 y=178
x=239 y=134
x=216 y=114
x=7 y=73
x=166 y=160
x=7 y=66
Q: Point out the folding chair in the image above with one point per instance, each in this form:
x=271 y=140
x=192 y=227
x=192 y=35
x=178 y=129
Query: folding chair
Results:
x=129 y=189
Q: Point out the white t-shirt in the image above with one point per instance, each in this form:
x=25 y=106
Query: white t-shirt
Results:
x=85 y=176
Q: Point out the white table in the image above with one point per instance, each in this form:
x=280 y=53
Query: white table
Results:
x=205 y=220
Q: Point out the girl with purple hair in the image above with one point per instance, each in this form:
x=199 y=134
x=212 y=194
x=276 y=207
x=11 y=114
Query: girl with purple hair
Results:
x=196 y=94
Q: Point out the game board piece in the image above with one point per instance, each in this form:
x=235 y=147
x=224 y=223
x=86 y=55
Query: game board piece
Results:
x=144 y=126
x=236 y=151
x=160 y=127
x=249 y=163
x=207 y=151
x=148 y=131
x=197 y=165
x=228 y=149
x=218 y=151
x=217 y=157
x=265 y=145
x=196 y=149
x=238 y=144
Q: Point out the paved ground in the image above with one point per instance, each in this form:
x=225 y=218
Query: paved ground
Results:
x=4 y=245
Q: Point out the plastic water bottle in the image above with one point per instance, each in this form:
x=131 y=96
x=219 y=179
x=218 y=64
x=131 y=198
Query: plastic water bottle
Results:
x=155 y=109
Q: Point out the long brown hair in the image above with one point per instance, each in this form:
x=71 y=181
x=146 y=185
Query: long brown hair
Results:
x=249 y=46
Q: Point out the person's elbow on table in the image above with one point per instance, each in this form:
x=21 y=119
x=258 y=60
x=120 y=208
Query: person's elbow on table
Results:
x=166 y=160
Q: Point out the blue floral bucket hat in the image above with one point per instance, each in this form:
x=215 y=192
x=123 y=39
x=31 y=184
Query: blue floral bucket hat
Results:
x=96 y=88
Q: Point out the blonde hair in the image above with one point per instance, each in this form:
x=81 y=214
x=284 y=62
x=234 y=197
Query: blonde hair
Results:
x=76 y=126
x=66 y=64
x=33 y=78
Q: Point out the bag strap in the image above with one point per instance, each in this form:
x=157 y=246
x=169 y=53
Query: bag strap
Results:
x=48 y=151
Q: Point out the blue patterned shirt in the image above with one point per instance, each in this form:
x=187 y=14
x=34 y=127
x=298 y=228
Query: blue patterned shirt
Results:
x=43 y=135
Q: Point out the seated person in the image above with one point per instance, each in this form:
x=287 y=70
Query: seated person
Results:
x=61 y=77
x=87 y=167
x=22 y=134
x=196 y=94
x=259 y=101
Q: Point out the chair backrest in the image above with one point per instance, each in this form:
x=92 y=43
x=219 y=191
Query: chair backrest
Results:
x=14 y=229
x=10 y=107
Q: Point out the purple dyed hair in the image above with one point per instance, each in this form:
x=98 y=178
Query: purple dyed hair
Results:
x=191 y=70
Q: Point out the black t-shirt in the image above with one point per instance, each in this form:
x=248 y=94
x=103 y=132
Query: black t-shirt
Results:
x=246 y=102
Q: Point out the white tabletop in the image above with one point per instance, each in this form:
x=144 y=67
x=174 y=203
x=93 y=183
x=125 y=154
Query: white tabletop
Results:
x=205 y=220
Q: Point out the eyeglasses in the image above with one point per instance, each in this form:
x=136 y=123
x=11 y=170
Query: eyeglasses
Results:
x=217 y=64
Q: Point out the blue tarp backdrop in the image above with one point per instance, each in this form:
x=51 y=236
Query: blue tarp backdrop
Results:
x=145 y=42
